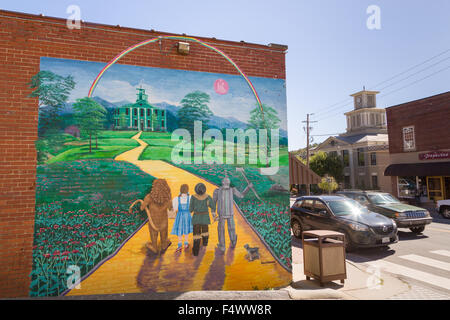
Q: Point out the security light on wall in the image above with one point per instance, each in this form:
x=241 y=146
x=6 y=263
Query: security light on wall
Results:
x=183 y=48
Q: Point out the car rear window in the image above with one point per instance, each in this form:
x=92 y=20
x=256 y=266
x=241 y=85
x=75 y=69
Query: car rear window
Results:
x=308 y=204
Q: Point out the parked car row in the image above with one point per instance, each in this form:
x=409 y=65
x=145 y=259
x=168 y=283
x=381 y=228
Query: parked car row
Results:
x=368 y=219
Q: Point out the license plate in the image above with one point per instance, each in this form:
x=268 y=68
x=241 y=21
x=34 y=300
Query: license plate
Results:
x=385 y=240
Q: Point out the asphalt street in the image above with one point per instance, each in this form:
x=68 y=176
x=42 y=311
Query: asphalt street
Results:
x=423 y=261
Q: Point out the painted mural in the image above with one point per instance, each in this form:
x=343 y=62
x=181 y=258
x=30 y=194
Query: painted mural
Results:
x=141 y=189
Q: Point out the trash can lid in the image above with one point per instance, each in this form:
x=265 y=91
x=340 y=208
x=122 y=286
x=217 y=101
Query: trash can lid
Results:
x=322 y=233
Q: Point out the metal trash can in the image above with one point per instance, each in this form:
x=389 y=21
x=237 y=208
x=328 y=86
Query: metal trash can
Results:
x=324 y=255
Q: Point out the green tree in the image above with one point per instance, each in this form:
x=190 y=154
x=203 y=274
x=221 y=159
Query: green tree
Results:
x=194 y=107
x=53 y=91
x=325 y=164
x=90 y=117
x=268 y=119
x=328 y=184
x=265 y=119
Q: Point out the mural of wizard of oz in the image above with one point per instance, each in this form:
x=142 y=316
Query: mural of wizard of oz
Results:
x=141 y=189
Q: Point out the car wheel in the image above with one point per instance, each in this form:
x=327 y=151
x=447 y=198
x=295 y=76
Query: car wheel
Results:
x=296 y=228
x=349 y=246
x=445 y=212
x=417 y=230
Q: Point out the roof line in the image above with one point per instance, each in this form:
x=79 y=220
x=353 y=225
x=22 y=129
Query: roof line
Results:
x=145 y=32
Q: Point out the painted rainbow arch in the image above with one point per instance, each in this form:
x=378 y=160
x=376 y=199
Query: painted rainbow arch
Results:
x=143 y=43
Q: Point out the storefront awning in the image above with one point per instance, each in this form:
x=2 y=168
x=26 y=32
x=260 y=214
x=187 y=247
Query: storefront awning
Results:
x=418 y=169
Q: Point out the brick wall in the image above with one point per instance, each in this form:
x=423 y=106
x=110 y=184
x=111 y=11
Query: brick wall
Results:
x=430 y=118
x=24 y=39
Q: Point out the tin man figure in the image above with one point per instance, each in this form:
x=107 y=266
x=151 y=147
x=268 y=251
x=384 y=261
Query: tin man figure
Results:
x=223 y=198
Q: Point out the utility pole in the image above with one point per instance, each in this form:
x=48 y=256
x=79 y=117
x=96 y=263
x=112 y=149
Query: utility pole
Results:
x=308 y=128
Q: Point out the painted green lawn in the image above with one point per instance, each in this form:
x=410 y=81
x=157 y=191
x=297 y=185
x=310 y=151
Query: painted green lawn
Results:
x=160 y=147
x=110 y=144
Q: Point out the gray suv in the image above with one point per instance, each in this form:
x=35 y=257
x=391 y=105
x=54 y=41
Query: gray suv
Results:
x=362 y=228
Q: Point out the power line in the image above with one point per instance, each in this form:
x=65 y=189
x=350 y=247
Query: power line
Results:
x=398 y=89
x=417 y=65
x=391 y=78
x=412 y=83
x=411 y=75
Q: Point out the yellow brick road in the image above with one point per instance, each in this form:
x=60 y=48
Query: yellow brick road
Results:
x=133 y=269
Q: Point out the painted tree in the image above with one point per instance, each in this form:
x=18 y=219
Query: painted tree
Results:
x=265 y=119
x=53 y=91
x=194 y=107
x=90 y=116
x=327 y=164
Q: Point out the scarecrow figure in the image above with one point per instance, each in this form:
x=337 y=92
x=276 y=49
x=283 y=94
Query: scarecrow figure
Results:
x=200 y=204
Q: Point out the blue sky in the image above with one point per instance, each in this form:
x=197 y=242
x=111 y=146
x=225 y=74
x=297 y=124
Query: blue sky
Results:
x=331 y=51
x=119 y=83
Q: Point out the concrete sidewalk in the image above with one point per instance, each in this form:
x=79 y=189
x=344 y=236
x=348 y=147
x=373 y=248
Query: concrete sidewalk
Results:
x=360 y=284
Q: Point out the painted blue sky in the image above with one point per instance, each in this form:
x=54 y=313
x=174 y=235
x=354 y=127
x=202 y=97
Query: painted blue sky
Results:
x=119 y=83
x=331 y=55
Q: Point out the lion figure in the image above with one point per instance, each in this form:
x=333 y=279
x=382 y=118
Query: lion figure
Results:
x=156 y=203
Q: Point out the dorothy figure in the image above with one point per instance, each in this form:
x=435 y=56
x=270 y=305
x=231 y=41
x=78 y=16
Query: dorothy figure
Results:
x=183 y=221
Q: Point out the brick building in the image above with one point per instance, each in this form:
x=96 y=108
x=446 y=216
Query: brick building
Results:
x=419 y=147
x=24 y=39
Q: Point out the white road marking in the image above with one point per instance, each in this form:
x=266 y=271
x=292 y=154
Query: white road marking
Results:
x=442 y=252
x=412 y=273
x=427 y=261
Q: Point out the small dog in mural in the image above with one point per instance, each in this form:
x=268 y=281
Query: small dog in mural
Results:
x=156 y=203
x=252 y=253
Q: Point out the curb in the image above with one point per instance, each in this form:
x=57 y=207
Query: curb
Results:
x=317 y=294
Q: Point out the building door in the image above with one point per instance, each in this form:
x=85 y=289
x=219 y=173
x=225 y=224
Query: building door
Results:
x=435 y=188
x=142 y=125
x=447 y=187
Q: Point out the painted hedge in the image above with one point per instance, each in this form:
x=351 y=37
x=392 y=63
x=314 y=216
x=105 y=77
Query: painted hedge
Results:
x=82 y=217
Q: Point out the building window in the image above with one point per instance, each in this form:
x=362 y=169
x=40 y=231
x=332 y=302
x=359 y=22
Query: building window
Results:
x=142 y=112
x=361 y=160
x=135 y=111
x=373 y=159
x=333 y=153
x=148 y=112
x=156 y=112
x=162 y=113
x=406 y=187
x=374 y=182
x=358 y=120
x=345 y=158
x=409 y=141
x=347 y=184
x=126 y=111
x=371 y=100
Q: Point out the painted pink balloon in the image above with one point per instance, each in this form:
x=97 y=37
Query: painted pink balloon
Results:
x=221 y=86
